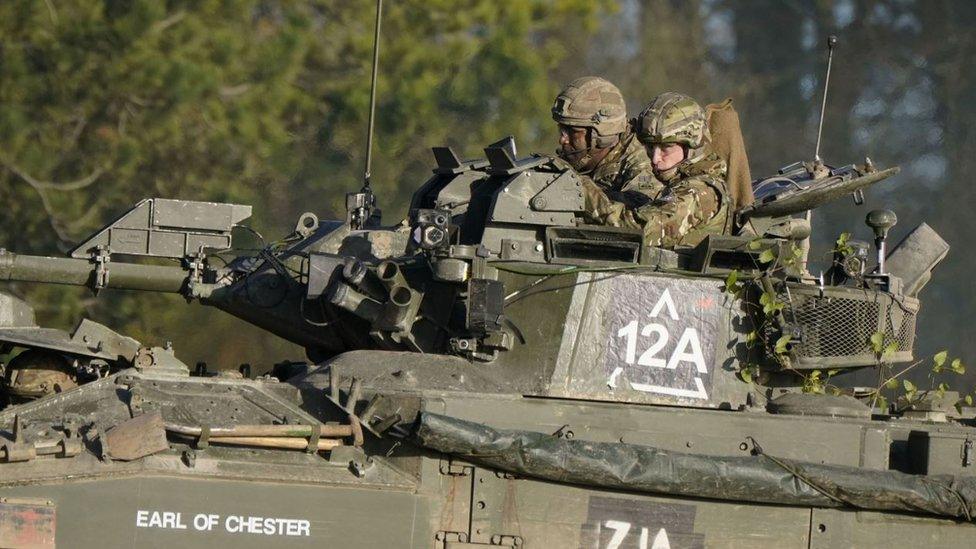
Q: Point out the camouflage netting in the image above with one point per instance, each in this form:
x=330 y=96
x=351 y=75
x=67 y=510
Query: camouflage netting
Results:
x=760 y=478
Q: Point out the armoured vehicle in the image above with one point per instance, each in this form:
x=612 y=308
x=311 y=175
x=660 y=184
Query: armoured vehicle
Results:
x=491 y=372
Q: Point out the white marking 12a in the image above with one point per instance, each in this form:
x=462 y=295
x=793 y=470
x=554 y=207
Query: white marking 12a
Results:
x=688 y=349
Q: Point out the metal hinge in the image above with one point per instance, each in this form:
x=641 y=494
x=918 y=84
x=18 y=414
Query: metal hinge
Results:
x=448 y=467
x=967 y=453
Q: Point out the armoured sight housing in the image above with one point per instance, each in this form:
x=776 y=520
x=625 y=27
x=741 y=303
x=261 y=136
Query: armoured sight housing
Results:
x=492 y=372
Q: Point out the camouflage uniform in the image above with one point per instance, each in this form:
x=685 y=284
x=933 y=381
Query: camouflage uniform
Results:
x=624 y=173
x=691 y=206
x=694 y=200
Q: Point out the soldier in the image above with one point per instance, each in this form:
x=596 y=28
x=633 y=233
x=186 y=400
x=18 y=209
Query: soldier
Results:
x=595 y=140
x=694 y=200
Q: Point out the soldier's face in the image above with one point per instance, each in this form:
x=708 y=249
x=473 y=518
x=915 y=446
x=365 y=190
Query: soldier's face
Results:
x=665 y=156
x=572 y=138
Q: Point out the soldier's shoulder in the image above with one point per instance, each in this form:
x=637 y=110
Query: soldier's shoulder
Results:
x=711 y=169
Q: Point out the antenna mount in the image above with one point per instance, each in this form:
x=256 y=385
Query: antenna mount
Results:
x=360 y=206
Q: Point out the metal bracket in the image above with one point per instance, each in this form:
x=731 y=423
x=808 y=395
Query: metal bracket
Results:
x=313 y=440
x=100 y=258
x=195 y=264
x=506 y=540
x=967 y=452
x=449 y=467
x=451 y=537
x=352 y=457
x=204 y=441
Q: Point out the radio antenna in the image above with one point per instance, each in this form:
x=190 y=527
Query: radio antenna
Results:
x=372 y=96
x=831 y=42
x=360 y=206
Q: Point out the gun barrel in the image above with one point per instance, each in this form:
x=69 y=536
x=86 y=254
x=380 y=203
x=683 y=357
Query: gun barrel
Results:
x=81 y=272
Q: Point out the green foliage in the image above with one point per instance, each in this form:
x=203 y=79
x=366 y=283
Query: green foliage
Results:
x=841 y=244
x=910 y=388
x=783 y=344
x=749 y=372
x=813 y=383
x=882 y=350
x=877 y=342
x=881 y=402
x=770 y=303
x=734 y=286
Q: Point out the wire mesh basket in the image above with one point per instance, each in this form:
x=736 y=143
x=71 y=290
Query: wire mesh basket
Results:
x=832 y=327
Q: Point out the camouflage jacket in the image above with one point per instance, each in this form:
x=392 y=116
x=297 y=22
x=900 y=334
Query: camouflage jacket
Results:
x=694 y=204
x=625 y=175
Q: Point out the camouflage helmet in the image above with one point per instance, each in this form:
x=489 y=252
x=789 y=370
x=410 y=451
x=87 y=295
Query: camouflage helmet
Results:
x=591 y=102
x=37 y=372
x=673 y=118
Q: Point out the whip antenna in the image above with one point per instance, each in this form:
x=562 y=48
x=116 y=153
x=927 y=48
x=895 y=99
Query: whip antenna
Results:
x=372 y=96
x=360 y=206
x=831 y=42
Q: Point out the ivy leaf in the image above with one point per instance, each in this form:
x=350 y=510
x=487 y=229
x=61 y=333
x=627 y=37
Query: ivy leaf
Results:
x=730 y=282
x=746 y=374
x=877 y=342
x=767 y=256
x=891 y=383
x=751 y=337
x=890 y=349
x=841 y=245
x=969 y=400
x=781 y=349
x=755 y=244
x=882 y=402
x=957 y=366
x=910 y=388
x=770 y=303
x=940 y=358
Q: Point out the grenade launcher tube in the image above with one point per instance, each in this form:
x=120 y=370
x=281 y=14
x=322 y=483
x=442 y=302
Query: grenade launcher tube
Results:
x=81 y=272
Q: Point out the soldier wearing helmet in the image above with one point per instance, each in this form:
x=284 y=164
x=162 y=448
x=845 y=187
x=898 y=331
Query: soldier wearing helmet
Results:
x=694 y=200
x=594 y=138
